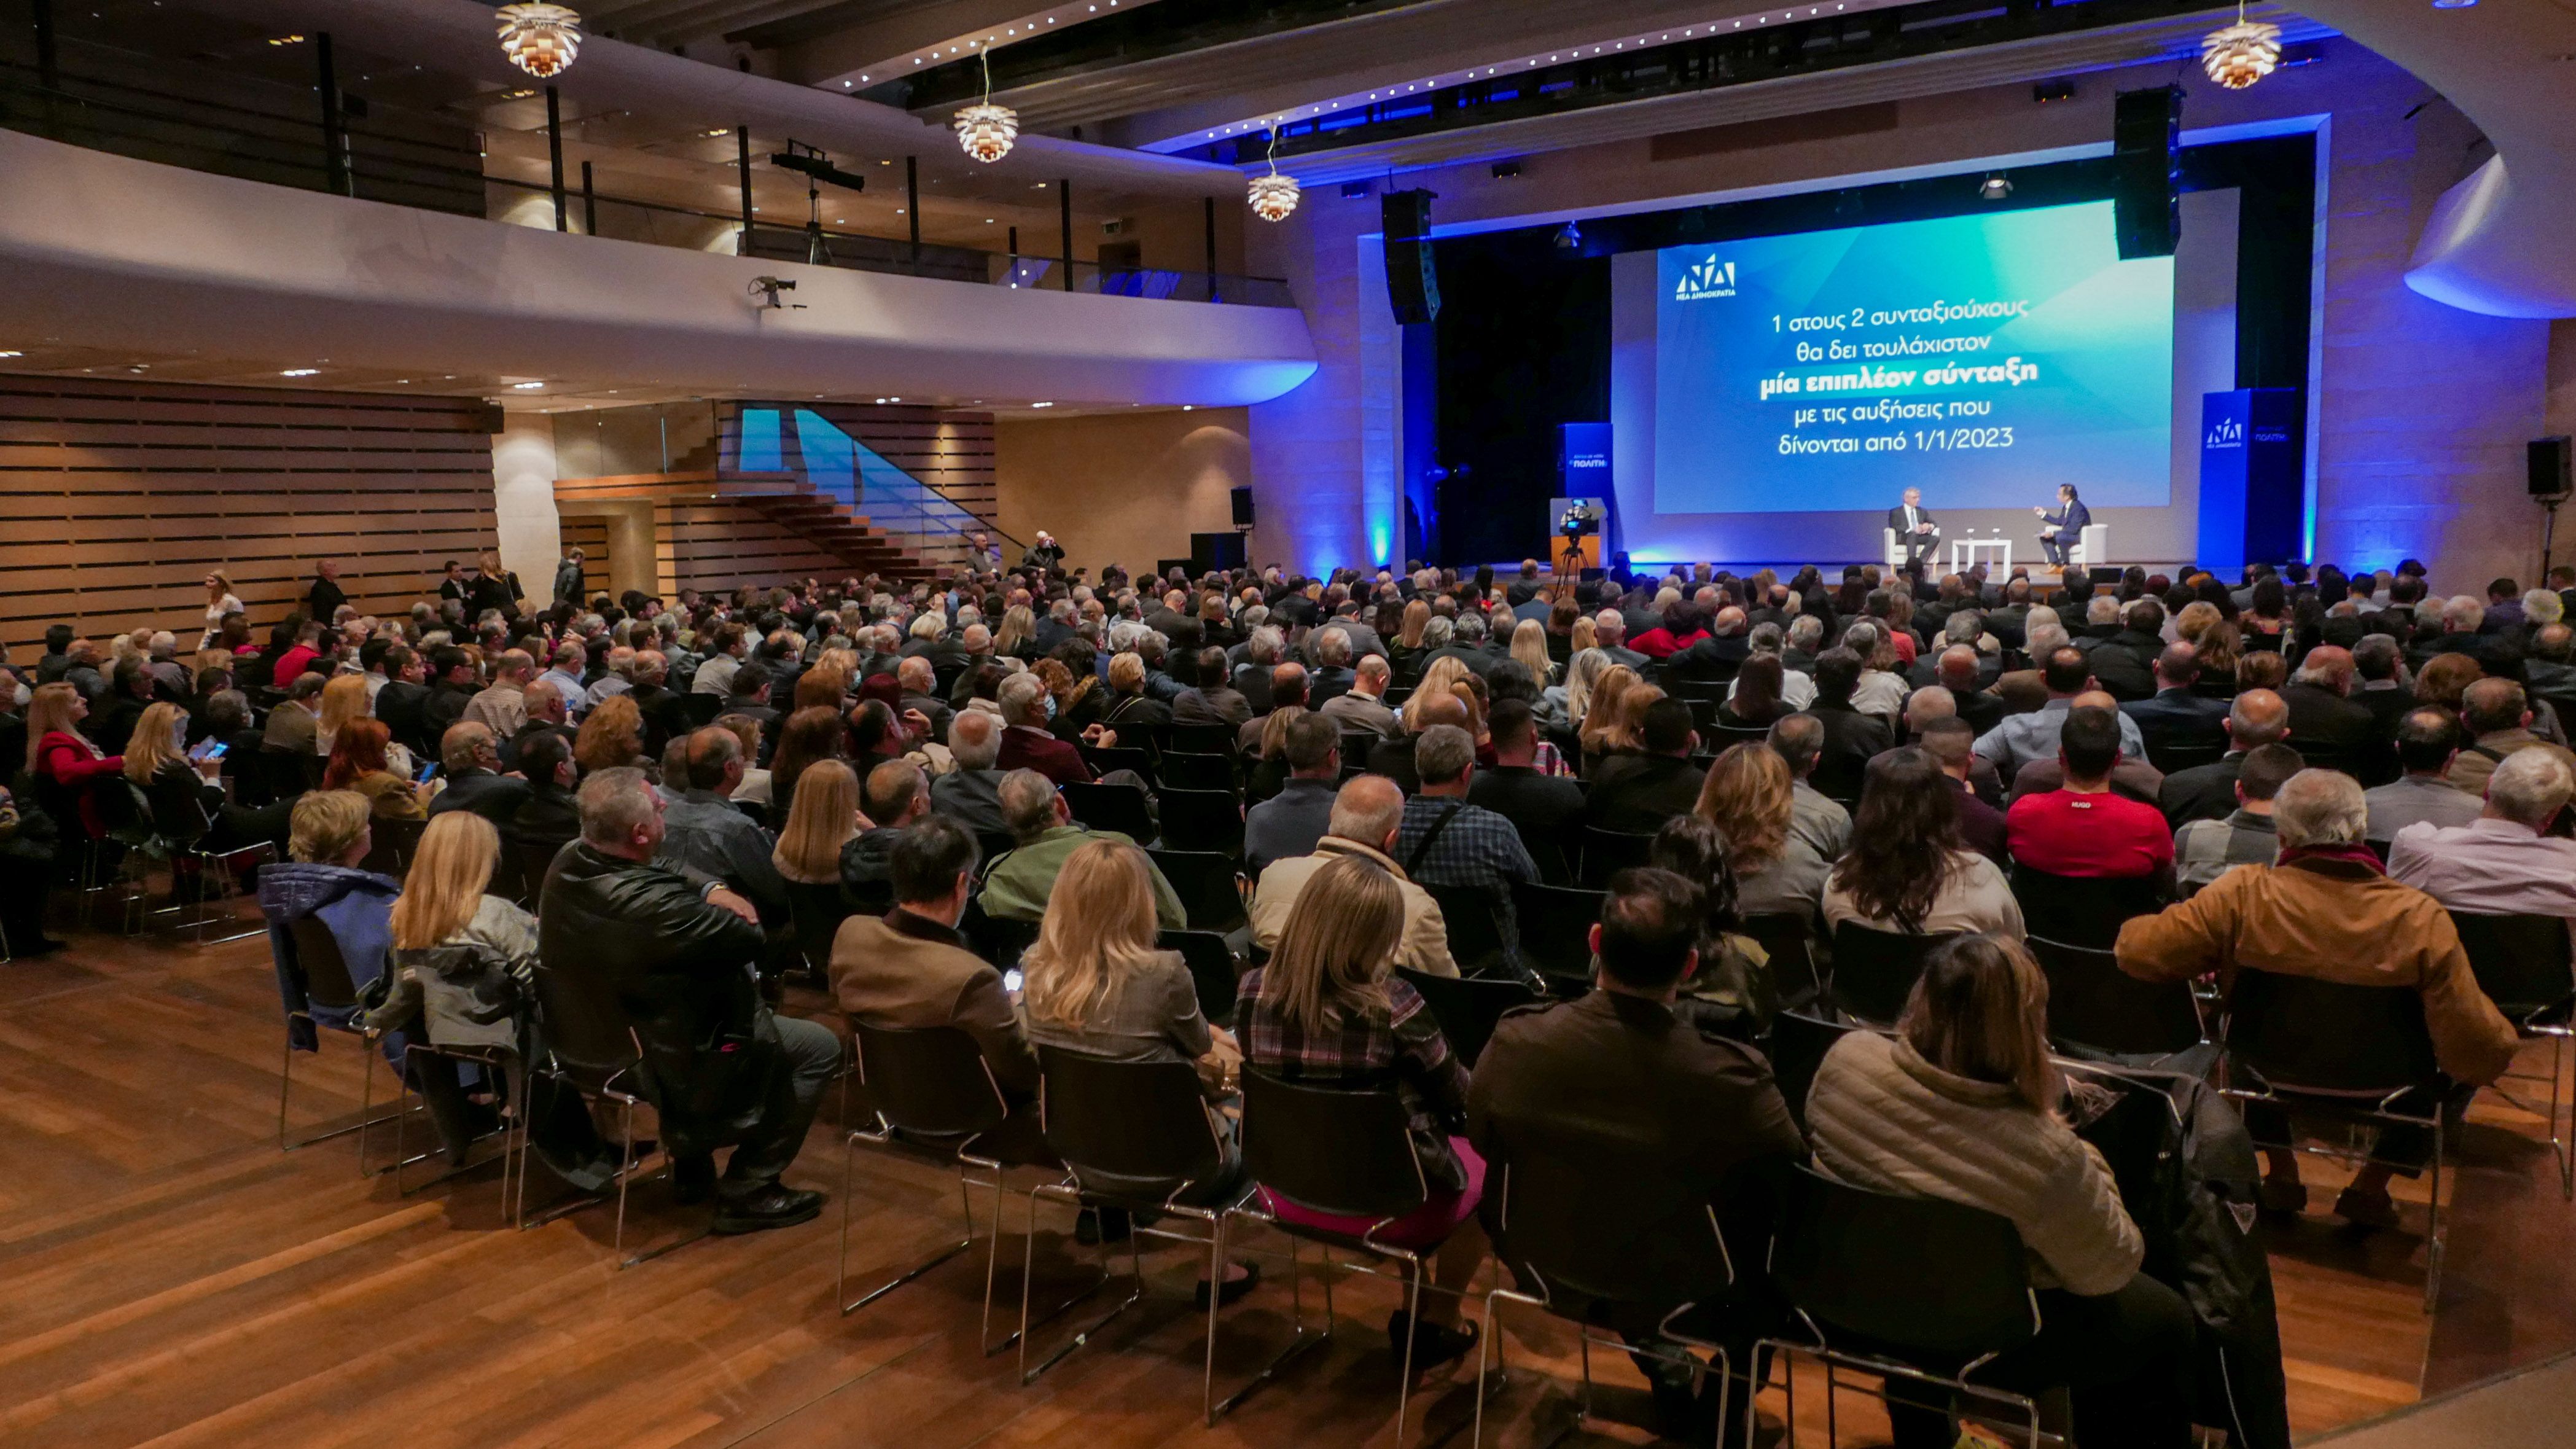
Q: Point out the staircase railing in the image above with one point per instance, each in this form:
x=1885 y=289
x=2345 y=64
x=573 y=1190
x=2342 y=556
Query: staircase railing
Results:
x=915 y=516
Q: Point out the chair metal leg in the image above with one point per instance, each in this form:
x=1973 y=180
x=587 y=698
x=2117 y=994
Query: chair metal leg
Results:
x=1028 y=1289
x=1299 y=1343
x=1412 y=1321
x=286 y=1089
x=841 y=1272
x=2433 y=1224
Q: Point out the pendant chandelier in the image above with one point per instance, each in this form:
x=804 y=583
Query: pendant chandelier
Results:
x=2240 y=54
x=984 y=129
x=539 y=38
x=1273 y=197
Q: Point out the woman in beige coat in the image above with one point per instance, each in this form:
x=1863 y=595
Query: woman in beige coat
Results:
x=1961 y=1104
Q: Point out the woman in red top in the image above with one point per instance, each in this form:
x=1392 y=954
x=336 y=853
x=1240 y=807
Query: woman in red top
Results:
x=1680 y=630
x=61 y=758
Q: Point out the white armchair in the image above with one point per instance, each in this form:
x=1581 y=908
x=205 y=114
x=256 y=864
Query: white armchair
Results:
x=2093 y=547
x=1894 y=555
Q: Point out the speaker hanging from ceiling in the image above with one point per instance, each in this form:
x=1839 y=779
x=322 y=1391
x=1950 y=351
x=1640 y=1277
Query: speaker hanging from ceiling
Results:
x=2146 y=171
x=1412 y=284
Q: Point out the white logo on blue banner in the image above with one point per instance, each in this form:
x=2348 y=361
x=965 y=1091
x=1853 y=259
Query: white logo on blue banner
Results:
x=1711 y=278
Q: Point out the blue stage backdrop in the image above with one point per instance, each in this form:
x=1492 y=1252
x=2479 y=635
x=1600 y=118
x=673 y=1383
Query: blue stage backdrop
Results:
x=1984 y=358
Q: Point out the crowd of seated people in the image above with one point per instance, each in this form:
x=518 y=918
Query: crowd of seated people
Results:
x=884 y=779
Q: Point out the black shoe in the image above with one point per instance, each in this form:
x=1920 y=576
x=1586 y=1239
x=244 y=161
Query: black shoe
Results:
x=693 y=1179
x=41 y=946
x=1432 y=1344
x=1095 y=1226
x=774 y=1206
x=1233 y=1289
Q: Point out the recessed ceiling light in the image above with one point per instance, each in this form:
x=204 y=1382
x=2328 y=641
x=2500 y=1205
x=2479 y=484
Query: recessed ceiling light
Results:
x=12 y=354
x=525 y=386
x=1042 y=405
x=1185 y=407
x=299 y=372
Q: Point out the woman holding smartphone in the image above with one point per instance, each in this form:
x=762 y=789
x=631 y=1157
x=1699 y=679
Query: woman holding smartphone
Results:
x=358 y=763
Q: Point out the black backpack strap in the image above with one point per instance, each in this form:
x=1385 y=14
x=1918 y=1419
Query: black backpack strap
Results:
x=1422 y=847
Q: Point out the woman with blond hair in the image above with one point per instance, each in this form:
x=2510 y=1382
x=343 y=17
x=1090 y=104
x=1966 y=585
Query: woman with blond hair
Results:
x=1442 y=677
x=63 y=761
x=1328 y=1012
x=1622 y=730
x=345 y=698
x=1018 y=636
x=188 y=805
x=1601 y=712
x=221 y=602
x=358 y=762
x=2222 y=648
x=611 y=736
x=1529 y=646
x=1961 y=1103
x=1562 y=708
x=1096 y=983
x=824 y=818
x=1747 y=796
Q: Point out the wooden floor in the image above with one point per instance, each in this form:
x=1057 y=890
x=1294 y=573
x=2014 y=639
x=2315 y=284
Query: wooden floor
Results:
x=169 y=1277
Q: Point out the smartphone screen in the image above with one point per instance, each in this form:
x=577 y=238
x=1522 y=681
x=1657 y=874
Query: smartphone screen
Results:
x=426 y=771
x=215 y=751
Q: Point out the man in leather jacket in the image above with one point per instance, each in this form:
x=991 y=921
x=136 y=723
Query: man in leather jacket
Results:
x=675 y=951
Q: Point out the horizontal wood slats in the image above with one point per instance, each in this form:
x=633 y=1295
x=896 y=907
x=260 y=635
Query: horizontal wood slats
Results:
x=117 y=497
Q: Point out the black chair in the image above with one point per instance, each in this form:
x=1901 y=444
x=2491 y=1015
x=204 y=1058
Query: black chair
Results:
x=2521 y=963
x=2172 y=756
x=1584 y=1227
x=1725 y=736
x=1201 y=820
x=392 y=841
x=1467 y=1010
x=1344 y=1154
x=536 y=860
x=991 y=844
x=331 y=986
x=2081 y=910
x=931 y=1097
x=1209 y=885
x=1874 y=971
x=1203 y=739
x=701 y=709
x=1789 y=939
x=1556 y=931
x=816 y=912
x=1180 y=771
x=1213 y=970
x=1799 y=1041
x=1474 y=922
x=1139 y=1122
x=2094 y=1004
x=1105 y=758
x=1918 y=1289
x=592 y=1049
x=2351 y=1054
x=1111 y=807
x=1355 y=751
x=1608 y=852
x=998 y=939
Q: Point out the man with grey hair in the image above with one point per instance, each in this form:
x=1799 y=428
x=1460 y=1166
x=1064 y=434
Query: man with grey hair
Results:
x=1027 y=744
x=1362 y=707
x=1799 y=741
x=1806 y=640
x=1610 y=630
x=2323 y=717
x=2208 y=792
x=2462 y=619
x=2497 y=717
x=2327 y=912
x=707 y=834
x=2504 y=863
x=1020 y=880
x=501 y=707
x=619 y=679
x=672 y=953
x=971 y=794
x=1446 y=842
x=470 y=760
x=1332 y=675
x=1366 y=816
x=1259 y=654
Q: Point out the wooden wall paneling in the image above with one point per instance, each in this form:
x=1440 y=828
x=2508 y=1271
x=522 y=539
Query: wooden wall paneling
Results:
x=117 y=497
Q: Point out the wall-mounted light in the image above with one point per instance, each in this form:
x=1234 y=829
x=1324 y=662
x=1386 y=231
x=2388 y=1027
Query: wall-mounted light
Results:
x=1995 y=188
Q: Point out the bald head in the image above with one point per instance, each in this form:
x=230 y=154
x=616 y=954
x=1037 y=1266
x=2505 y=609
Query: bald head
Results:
x=1436 y=709
x=2327 y=667
x=1958 y=667
x=1931 y=702
x=1367 y=809
x=2258 y=717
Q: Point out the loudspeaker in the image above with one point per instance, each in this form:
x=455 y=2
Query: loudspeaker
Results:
x=2146 y=171
x=2104 y=574
x=1412 y=284
x=489 y=418
x=1242 y=508
x=2553 y=467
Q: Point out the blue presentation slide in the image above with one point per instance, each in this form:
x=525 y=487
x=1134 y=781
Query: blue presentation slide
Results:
x=1984 y=359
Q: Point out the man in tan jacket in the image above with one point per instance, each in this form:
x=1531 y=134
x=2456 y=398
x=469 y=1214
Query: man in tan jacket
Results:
x=2328 y=912
x=1367 y=813
x=911 y=968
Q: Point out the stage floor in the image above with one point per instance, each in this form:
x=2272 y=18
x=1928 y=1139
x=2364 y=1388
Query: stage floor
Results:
x=173 y=1279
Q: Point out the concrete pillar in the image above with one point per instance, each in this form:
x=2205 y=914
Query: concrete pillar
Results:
x=523 y=502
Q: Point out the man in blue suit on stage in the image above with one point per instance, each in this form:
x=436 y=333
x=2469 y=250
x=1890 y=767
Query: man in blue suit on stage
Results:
x=1916 y=533
x=2059 y=532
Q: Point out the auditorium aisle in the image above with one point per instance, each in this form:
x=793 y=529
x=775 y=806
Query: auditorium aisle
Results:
x=173 y=1279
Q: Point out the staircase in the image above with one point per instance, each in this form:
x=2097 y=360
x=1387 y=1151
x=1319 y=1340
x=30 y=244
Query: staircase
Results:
x=827 y=523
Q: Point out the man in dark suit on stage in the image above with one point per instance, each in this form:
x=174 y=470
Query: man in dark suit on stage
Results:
x=1916 y=533
x=2059 y=532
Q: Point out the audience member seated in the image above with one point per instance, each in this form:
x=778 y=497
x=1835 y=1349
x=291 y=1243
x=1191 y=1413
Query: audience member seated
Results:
x=1326 y=1012
x=1908 y=872
x=2504 y=863
x=970 y=794
x=2327 y=911
x=358 y=762
x=2177 y=713
x=470 y=758
x=550 y=818
x=1734 y=991
x=1097 y=984
x=542 y=703
x=1130 y=706
x=1445 y=841
x=65 y=765
x=1982 y=828
x=2204 y=850
x=1755 y=700
x=1851 y=737
x=704 y=834
x=502 y=706
x=1799 y=740
x=1748 y=797
x=825 y=819
x=1636 y=793
x=1026 y=742
x=1020 y=880
x=30 y=842
x=320 y=878
x=2208 y=792
x=1290 y=822
x=1962 y=1103
x=2428 y=740
x=2322 y=717
x=673 y=952
x=1547 y=810
x=1367 y=814
x=2022 y=738
x=1434 y=702
x=895 y=796
x=2131 y=775
x=910 y=968
x=189 y=809
x=2084 y=827
x=1363 y=706
x=2498 y=720
x=612 y=738
x=2379 y=661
